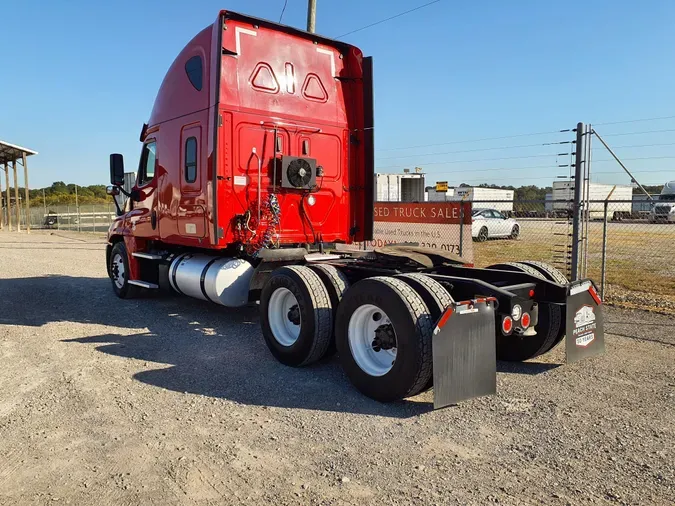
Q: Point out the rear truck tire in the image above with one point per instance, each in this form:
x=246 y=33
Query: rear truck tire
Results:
x=557 y=276
x=515 y=232
x=336 y=283
x=118 y=270
x=482 y=235
x=383 y=335
x=296 y=316
x=515 y=348
x=551 y=273
x=434 y=295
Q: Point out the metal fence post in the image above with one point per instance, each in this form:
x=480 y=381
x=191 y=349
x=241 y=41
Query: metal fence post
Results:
x=578 y=205
x=93 y=216
x=604 y=253
x=461 y=228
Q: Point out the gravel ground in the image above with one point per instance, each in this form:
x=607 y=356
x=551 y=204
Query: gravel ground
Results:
x=167 y=400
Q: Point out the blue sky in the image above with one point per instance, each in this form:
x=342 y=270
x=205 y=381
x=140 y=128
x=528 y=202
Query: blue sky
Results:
x=80 y=79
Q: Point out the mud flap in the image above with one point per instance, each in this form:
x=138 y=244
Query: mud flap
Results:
x=464 y=352
x=584 y=328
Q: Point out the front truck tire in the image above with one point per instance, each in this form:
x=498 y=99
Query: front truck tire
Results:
x=383 y=335
x=118 y=270
x=296 y=316
x=550 y=327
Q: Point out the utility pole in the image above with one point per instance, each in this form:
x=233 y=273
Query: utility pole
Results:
x=311 y=16
x=578 y=207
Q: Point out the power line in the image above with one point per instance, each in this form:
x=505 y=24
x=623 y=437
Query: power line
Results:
x=492 y=169
x=636 y=146
x=635 y=120
x=516 y=147
x=471 y=150
x=466 y=141
x=478 y=160
x=633 y=159
x=634 y=172
x=283 y=10
x=389 y=18
x=617 y=134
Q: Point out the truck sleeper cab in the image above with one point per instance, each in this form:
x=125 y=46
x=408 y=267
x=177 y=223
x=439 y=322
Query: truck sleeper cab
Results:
x=257 y=155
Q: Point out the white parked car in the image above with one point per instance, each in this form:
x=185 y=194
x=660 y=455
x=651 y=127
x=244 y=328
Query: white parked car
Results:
x=490 y=223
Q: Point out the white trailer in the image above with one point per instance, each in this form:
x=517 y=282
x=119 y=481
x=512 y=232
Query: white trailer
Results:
x=406 y=187
x=563 y=199
x=492 y=198
x=436 y=196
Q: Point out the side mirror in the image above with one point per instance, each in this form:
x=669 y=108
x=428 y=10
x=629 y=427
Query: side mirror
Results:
x=113 y=191
x=116 y=169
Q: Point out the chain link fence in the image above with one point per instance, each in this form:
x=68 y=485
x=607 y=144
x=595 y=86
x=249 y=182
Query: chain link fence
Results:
x=517 y=230
x=82 y=218
x=628 y=251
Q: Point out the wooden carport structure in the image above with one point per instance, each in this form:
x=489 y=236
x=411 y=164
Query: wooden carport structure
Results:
x=10 y=153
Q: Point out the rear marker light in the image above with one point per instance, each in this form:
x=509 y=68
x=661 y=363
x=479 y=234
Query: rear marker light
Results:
x=595 y=295
x=531 y=293
x=507 y=325
x=444 y=319
x=525 y=320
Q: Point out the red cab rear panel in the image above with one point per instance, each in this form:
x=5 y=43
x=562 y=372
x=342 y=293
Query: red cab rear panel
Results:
x=243 y=95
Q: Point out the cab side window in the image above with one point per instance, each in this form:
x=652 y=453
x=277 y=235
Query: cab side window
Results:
x=146 y=168
x=191 y=160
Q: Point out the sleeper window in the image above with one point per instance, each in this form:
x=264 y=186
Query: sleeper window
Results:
x=191 y=160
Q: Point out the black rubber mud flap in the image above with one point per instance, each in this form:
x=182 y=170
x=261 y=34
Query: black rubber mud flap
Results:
x=464 y=352
x=585 y=336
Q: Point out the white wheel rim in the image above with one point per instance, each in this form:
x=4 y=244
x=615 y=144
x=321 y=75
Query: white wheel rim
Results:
x=361 y=334
x=117 y=270
x=282 y=302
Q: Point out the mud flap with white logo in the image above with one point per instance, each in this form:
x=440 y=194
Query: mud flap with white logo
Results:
x=464 y=352
x=584 y=326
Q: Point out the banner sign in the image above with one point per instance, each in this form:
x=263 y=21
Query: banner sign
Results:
x=430 y=224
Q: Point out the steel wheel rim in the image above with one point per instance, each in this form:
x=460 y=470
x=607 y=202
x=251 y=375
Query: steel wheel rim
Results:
x=117 y=270
x=361 y=335
x=282 y=302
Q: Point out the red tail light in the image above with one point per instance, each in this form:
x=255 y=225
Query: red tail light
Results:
x=525 y=320
x=531 y=293
x=507 y=325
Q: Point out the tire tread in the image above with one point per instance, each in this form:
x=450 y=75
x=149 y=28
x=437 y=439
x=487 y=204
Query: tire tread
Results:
x=323 y=320
x=419 y=311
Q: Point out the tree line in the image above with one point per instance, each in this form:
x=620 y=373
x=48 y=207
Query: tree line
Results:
x=60 y=193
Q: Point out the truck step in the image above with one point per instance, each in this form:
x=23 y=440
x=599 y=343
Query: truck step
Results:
x=143 y=284
x=147 y=256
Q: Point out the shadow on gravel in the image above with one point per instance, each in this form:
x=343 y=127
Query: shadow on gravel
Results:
x=190 y=346
x=643 y=339
x=529 y=368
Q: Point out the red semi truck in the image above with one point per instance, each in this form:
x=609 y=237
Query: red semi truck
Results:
x=256 y=161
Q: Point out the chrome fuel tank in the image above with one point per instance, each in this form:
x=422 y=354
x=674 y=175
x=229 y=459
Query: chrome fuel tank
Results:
x=221 y=280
